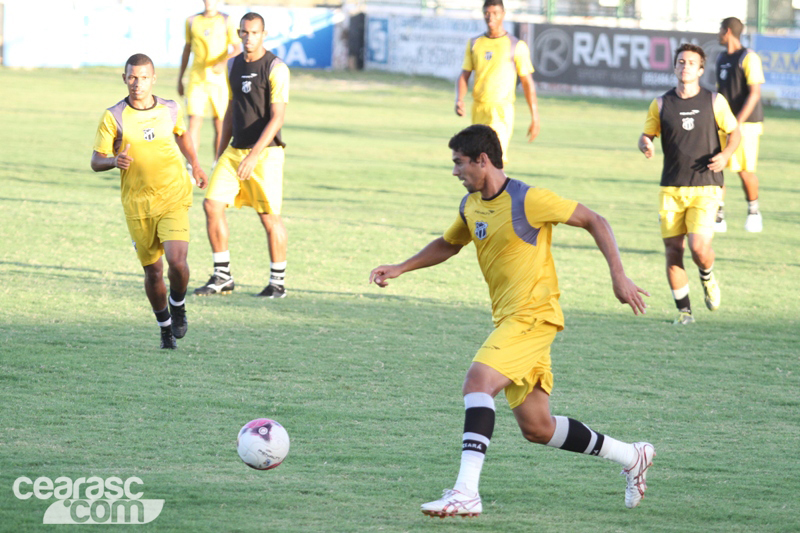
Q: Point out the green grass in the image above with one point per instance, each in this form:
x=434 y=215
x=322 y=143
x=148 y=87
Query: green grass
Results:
x=367 y=381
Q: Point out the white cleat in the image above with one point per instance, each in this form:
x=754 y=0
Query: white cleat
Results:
x=635 y=475
x=454 y=503
x=753 y=224
x=720 y=226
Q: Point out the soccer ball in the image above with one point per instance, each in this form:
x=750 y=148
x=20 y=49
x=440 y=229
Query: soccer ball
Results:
x=262 y=444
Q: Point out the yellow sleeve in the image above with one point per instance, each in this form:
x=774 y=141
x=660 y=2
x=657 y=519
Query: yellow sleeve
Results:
x=180 y=123
x=726 y=121
x=652 y=124
x=543 y=206
x=233 y=32
x=458 y=232
x=753 y=70
x=467 y=64
x=522 y=58
x=279 y=84
x=106 y=132
x=189 y=30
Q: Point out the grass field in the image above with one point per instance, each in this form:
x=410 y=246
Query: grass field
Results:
x=367 y=381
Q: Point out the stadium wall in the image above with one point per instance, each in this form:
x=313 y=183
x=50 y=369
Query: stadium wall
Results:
x=573 y=59
x=101 y=33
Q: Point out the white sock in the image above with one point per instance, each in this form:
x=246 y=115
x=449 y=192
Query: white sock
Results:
x=618 y=451
x=479 y=416
x=222 y=257
x=277 y=273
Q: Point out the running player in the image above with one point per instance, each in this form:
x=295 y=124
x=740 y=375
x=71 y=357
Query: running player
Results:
x=144 y=135
x=511 y=225
x=739 y=79
x=497 y=59
x=209 y=37
x=688 y=118
x=250 y=171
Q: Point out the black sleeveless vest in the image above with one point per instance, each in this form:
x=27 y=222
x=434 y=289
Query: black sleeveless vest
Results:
x=250 y=88
x=732 y=83
x=689 y=140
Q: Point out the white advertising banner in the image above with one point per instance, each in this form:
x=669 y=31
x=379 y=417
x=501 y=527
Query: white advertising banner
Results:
x=429 y=46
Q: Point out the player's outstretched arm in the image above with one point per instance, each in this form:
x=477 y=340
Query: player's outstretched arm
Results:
x=646 y=145
x=101 y=162
x=187 y=50
x=436 y=251
x=529 y=89
x=184 y=142
x=625 y=290
x=462 y=84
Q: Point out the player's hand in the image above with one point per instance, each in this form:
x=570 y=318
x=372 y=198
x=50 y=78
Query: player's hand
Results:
x=646 y=146
x=533 y=130
x=380 y=275
x=219 y=68
x=247 y=166
x=627 y=292
x=123 y=160
x=460 y=109
x=180 y=87
x=718 y=162
x=199 y=176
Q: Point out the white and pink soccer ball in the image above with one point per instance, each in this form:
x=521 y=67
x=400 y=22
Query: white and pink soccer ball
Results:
x=262 y=444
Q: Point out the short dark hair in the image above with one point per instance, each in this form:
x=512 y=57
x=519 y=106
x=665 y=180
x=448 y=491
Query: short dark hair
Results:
x=733 y=24
x=137 y=60
x=476 y=140
x=489 y=3
x=253 y=16
x=689 y=47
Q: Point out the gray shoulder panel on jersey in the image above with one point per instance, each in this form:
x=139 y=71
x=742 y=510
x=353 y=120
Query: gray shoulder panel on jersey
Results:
x=461 y=208
x=276 y=61
x=513 y=47
x=172 y=105
x=473 y=41
x=116 y=112
x=522 y=228
x=660 y=101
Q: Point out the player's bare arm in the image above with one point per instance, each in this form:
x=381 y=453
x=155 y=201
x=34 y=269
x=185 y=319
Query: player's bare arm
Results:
x=719 y=161
x=270 y=131
x=226 y=133
x=187 y=50
x=750 y=103
x=186 y=146
x=435 y=252
x=529 y=89
x=219 y=66
x=462 y=84
x=625 y=290
x=101 y=162
x=646 y=145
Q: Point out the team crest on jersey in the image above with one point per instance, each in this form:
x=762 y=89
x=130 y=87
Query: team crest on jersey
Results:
x=723 y=74
x=488 y=55
x=247 y=86
x=207 y=33
x=149 y=134
x=688 y=123
x=480 y=230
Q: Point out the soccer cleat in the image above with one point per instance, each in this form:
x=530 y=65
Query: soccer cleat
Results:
x=753 y=223
x=684 y=318
x=720 y=226
x=218 y=283
x=635 y=475
x=713 y=295
x=273 y=291
x=168 y=339
x=179 y=322
x=453 y=503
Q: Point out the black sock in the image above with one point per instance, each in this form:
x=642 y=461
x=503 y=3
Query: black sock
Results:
x=163 y=317
x=575 y=436
x=177 y=299
x=705 y=275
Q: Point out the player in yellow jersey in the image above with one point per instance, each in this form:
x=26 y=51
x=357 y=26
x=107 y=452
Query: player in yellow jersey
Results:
x=144 y=136
x=497 y=59
x=211 y=38
x=511 y=225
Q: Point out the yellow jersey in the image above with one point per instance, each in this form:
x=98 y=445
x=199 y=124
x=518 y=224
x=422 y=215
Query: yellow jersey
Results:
x=209 y=38
x=497 y=62
x=512 y=233
x=157 y=180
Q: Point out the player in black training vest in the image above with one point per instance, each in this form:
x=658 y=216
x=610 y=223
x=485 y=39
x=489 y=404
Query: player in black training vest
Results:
x=688 y=119
x=250 y=170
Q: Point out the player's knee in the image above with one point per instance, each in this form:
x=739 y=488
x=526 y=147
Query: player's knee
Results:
x=537 y=433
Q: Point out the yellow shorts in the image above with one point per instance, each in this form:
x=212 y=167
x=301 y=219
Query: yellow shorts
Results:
x=746 y=155
x=683 y=210
x=200 y=94
x=520 y=350
x=149 y=234
x=263 y=191
x=499 y=117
